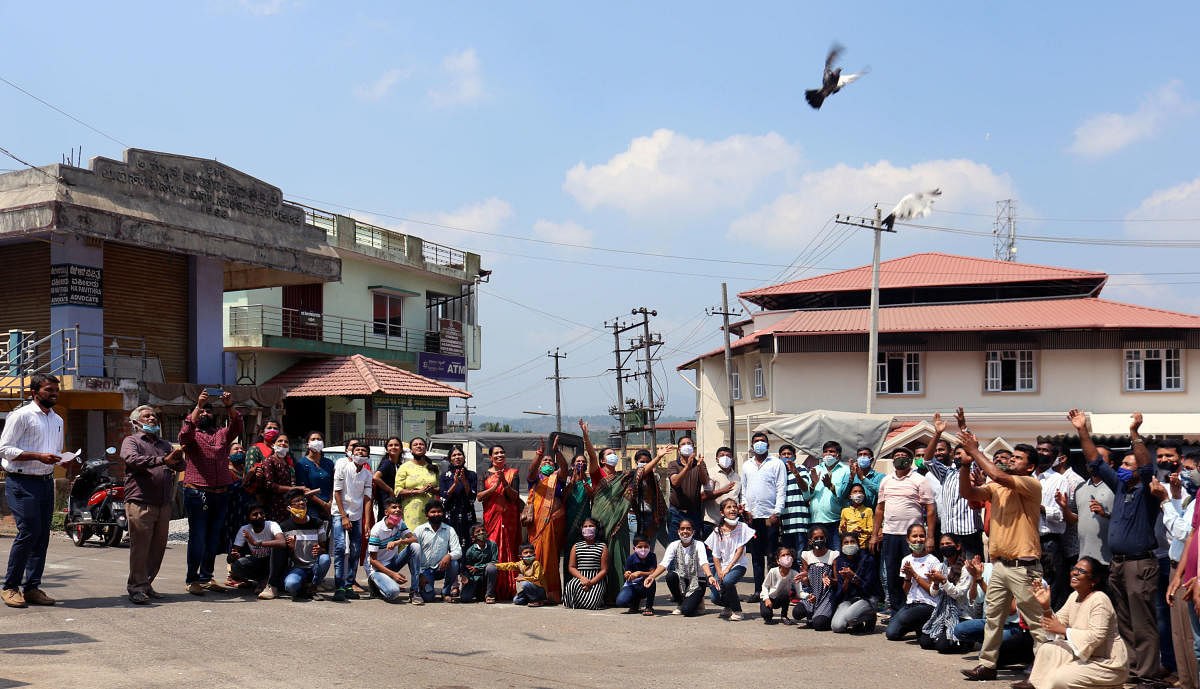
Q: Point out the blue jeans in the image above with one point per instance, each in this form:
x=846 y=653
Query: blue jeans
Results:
x=727 y=597
x=910 y=618
x=345 y=568
x=893 y=549
x=432 y=574
x=387 y=587
x=206 y=521
x=301 y=575
x=633 y=593
x=1016 y=644
x=31 y=500
x=528 y=593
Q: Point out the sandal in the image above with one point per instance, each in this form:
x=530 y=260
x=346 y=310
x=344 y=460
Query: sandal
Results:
x=490 y=600
x=536 y=604
x=647 y=613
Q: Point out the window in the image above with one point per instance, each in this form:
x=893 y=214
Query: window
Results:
x=1009 y=370
x=735 y=385
x=388 y=313
x=1148 y=370
x=341 y=426
x=898 y=373
x=760 y=388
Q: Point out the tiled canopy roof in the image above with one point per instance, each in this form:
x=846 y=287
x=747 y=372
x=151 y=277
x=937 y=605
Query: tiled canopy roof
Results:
x=358 y=376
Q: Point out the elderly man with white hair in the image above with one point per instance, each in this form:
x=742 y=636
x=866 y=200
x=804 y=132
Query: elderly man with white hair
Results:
x=150 y=466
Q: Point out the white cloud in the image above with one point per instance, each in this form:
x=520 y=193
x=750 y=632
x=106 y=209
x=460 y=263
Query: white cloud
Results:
x=1179 y=201
x=1106 y=133
x=381 y=87
x=567 y=232
x=668 y=172
x=486 y=216
x=466 y=84
x=793 y=218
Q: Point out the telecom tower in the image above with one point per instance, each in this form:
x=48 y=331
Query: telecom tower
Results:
x=1004 y=231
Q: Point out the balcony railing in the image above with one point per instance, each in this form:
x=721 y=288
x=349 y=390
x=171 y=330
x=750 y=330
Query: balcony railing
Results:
x=383 y=239
x=318 y=218
x=71 y=351
x=262 y=320
x=442 y=255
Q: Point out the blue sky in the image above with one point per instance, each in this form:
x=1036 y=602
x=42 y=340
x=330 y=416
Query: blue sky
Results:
x=668 y=128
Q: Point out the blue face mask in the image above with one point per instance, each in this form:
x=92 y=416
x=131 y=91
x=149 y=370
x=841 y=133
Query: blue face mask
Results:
x=1124 y=474
x=864 y=462
x=830 y=460
x=152 y=430
x=237 y=457
x=1190 y=481
x=760 y=447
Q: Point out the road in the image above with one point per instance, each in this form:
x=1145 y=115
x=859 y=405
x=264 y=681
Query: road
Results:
x=95 y=638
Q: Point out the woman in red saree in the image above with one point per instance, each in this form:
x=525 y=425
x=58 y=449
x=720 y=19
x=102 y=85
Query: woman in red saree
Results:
x=547 y=476
x=502 y=516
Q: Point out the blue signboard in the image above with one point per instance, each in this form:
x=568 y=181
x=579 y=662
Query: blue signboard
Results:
x=442 y=367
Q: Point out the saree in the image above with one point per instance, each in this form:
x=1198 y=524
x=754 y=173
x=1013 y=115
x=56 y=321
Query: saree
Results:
x=502 y=519
x=546 y=533
x=611 y=502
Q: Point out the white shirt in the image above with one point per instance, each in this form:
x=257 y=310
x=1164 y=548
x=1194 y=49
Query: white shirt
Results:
x=1177 y=522
x=673 y=547
x=923 y=566
x=1051 y=521
x=269 y=531
x=775 y=584
x=808 y=557
x=29 y=429
x=725 y=545
x=354 y=484
x=764 y=486
x=377 y=543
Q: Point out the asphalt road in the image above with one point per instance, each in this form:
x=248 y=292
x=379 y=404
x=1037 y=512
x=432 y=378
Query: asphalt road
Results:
x=95 y=638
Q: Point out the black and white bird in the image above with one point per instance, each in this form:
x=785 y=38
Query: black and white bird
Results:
x=915 y=205
x=833 y=81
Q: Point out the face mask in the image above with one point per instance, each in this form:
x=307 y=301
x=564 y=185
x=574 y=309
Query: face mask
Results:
x=316 y=445
x=850 y=549
x=207 y=423
x=641 y=464
x=686 y=450
x=298 y=512
x=527 y=558
x=1171 y=467
x=588 y=531
x=1124 y=474
x=725 y=461
x=152 y=430
x=359 y=460
x=818 y=543
x=435 y=522
x=1191 y=480
x=393 y=520
x=902 y=463
x=579 y=468
x=258 y=524
x=857 y=498
x=864 y=462
x=1006 y=467
x=957 y=462
x=918 y=548
x=760 y=447
x=270 y=435
x=830 y=460
x=547 y=470
x=920 y=462
x=238 y=457
x=610 y=459
x=948 y=551
x=686 y=540
x=481 y=537
x=732 y=522
x=281 y=450
x=786 y=561
x=642 y=552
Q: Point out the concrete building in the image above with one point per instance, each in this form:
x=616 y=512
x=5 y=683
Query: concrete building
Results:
x=1015 y=344
x=115 y=278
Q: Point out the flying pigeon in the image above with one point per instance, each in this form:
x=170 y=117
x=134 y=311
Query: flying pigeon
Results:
x=833 y=81
x=915 y=205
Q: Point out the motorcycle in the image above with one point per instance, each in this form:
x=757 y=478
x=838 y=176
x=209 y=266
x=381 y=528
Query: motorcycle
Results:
x=97 y=504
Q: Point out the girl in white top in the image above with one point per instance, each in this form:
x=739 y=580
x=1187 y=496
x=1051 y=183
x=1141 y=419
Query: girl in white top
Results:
x=777 y=588
x=915 y=569
x=728 y=545
x=952 y=583
x=686 y=566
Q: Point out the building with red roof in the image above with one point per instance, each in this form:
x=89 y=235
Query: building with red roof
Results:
x=1015 y=344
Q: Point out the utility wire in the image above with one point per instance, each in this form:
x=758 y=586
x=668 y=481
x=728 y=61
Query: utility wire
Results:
x=64 y=113
x=6 y=152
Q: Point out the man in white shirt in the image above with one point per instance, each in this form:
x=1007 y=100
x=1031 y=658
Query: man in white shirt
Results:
x=351 y=505
x=1052 y=524
x=440 y=553
x=29 y=449
x=764 y=485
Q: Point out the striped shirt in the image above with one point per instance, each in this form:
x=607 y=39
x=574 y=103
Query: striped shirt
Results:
x=29 y=429
x=954 y=512
x=795 y=517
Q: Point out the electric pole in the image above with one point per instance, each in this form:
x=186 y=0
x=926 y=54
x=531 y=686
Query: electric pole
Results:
x=1004 y=231
x=617 y=329
x=725 y=314
x=644 y=343
x=873 y=337
x=651 y=404
x=467 y=407
x=557 y=389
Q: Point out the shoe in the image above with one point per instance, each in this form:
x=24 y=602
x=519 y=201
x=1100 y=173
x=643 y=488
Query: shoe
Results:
x=154 y=594
x=788 y=621
x=13 y=598
x=139 y=598
x=417 y=600
x=231 y=583
x=305 y=594
x=676 y=611
x=268 y=593
x=752 y=598
x=980 y=673
x=212 y=585
x=351 y=594
x=1021 y=684
x=38 y=597
x=339 y=595
x=195 y=589
x=724 y=613
x=768 y=620
x=736 y=617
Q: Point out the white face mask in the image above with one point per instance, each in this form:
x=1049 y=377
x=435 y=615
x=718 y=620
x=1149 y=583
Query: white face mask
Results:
x=610 y=459
x=641 y=464
x=686 y=450
x=725 y=461
x=686 y=540
x=732 y=522
x=281 y=450
x=359 y=459
x=786 y=561
x=316 y=445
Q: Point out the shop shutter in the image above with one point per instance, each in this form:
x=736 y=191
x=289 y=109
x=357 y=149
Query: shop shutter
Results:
x=146 y=295
x=26 y=302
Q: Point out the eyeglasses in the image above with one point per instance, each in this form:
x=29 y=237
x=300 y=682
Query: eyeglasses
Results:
x=1080 y=571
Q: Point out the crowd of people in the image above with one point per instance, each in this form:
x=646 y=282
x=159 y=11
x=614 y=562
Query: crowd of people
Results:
x=1089 y=580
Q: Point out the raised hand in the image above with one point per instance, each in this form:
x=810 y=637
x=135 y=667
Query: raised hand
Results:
x=1041 y=593
x=939 y=425
x=583 y=428
x=227 y=398
x=1078 y=419
x=969 y=442
x=202 y=399
x=1061 y=499
x=960 y=418
x=1136 y=421
x=1158 y=490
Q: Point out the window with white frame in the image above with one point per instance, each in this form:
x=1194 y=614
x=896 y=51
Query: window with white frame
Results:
x=760 y=388
x=735 y=385
x=898 y=373
x=1010 y=370
x=388 y=312
x=1148 y=370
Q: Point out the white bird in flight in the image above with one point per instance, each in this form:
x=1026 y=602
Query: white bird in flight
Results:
x=915 y=205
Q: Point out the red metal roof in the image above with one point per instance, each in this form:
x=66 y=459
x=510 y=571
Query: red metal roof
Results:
x=1087 y=312
x=676 y=426
x=733 y=346
x=358 y=376
x=931 y=269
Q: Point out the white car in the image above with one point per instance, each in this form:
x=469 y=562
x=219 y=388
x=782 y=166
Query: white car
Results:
x=339 y=451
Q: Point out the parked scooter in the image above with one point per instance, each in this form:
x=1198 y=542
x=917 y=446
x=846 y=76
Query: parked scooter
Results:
x=97 y=504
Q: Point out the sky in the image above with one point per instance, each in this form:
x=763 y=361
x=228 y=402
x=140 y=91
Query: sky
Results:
x=675 y=130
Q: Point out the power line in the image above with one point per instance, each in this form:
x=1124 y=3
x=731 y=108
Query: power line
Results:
x=1086 y=241
x=544 y=313
x=1035 y=219
x=6 y=152
x=60 y=111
